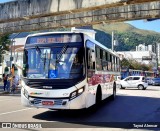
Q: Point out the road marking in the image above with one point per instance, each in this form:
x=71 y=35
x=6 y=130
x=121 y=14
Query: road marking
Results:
x=14 y=111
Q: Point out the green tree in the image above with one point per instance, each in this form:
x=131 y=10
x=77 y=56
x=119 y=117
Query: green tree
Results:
x=4 y=45
x=133 y=64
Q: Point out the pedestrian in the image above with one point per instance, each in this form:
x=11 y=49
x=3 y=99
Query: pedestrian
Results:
x=8 y=82
x=4 y=81
x=12 y=70
x=14 y=84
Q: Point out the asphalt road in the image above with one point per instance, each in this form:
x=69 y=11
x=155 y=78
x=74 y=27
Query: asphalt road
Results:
x=130 y=105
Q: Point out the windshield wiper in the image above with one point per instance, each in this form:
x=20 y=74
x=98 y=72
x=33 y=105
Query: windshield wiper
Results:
x=38 y=49
x=45 y=59
x=62 y=52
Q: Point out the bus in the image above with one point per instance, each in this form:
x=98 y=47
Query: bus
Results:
x=132 y=72
x=67 y=70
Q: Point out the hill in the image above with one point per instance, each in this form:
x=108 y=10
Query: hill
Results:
x=127 y=35
x=123 y=27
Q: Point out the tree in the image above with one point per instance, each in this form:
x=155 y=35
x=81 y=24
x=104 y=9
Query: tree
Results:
x=4 y=45
x=133 y=64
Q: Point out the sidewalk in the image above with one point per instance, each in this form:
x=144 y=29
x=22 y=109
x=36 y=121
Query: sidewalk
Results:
x=4 y=93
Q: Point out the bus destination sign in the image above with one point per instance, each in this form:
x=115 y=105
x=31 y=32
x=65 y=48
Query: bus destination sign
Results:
x=55 y=38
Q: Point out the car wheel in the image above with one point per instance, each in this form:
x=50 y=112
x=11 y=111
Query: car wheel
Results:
x=122 y=87
x=144 y=88
x=140 y=87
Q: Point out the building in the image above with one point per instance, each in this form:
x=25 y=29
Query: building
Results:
x=154 y=48
x=146 y=57
x=16 y=51
x=142 y=47
x=158 y=52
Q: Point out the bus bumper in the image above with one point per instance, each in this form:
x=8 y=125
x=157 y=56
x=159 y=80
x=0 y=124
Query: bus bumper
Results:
x=56 y=103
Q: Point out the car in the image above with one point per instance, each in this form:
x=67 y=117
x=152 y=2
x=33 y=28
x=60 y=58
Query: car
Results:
x=134 y=81
x=149 y=80
x=155 y=81
x=118 y=79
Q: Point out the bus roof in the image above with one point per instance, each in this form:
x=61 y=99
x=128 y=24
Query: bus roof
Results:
x=47 y=33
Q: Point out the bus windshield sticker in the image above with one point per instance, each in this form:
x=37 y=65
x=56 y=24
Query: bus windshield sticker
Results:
x=53 y=74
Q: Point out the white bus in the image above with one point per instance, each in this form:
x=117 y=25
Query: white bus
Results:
x=67 y=70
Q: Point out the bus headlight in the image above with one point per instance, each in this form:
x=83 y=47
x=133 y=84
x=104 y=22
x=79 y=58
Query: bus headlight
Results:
x=23 y=83
x=77 y=93
x=25 y=92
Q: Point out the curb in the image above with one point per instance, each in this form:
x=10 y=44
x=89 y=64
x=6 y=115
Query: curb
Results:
x=17 y=92
x=10 y=94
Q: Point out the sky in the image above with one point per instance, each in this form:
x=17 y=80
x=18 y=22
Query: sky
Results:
x=141 y=24
x=146 y=25
x=2 y=1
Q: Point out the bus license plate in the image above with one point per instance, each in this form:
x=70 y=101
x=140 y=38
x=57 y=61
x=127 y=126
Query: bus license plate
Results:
x=47 y=103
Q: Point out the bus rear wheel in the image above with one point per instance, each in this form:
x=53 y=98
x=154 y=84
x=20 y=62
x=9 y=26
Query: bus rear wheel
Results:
x=98 y=96
x=114 y=92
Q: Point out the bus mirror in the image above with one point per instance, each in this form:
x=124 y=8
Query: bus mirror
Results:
x=93 y=57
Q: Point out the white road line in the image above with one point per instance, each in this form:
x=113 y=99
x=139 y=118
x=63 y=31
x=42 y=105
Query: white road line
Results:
x=14 y=111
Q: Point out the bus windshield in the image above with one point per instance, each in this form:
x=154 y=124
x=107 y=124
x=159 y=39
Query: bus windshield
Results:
x=62 y=62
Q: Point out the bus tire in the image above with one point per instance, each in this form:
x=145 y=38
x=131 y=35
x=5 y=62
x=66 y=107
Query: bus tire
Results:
x=114 y=92
x=98 y=95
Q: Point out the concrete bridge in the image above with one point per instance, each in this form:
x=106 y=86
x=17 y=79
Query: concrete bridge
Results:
x=29 y=15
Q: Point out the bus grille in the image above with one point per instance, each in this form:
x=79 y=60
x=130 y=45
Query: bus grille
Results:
x=39 y=101
x=39 y=85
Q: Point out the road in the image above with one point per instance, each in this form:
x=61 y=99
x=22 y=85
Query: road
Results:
x=130 y=105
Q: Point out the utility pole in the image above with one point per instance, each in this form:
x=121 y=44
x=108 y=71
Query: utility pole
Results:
x=156 y=52
x=112 y=40
x=11 y=58
x=157 y=59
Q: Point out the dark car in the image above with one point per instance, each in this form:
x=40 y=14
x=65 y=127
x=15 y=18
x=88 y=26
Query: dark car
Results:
x=156 y=81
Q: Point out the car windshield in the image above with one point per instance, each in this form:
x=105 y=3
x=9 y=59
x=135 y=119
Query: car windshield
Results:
x=63 y=62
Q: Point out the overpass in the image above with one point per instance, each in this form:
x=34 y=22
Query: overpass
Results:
x=30 y=15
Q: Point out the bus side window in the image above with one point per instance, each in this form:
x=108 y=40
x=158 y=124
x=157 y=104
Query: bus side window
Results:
x=104 y=61
x=93 y=62
x=90 y=63
x=98 y=59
